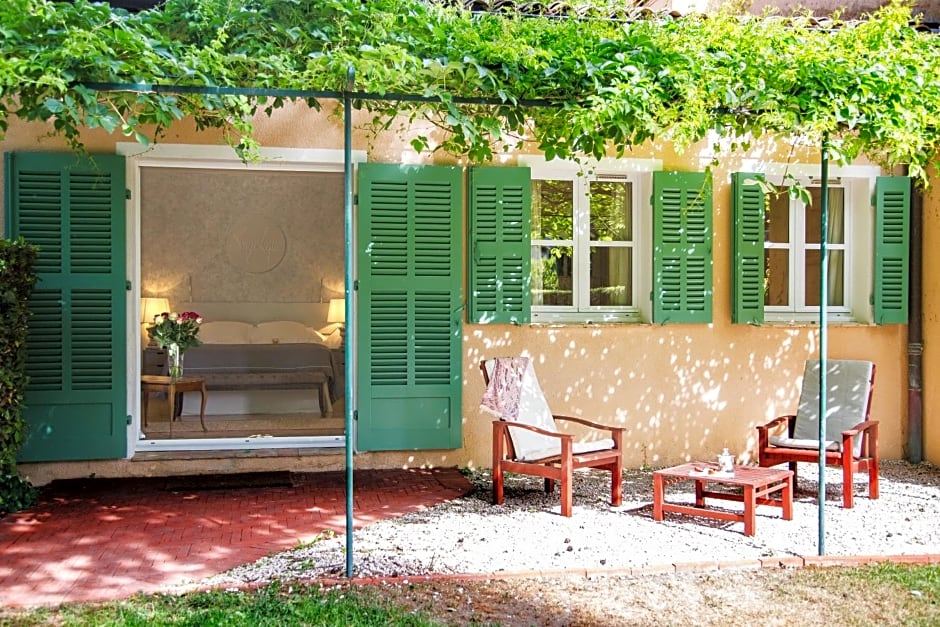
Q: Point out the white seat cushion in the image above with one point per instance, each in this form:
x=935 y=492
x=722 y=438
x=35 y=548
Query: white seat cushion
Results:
x=812 y=445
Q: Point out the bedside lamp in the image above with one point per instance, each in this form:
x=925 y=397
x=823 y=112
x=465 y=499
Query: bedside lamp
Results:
x=337 y=314
x=150 y=307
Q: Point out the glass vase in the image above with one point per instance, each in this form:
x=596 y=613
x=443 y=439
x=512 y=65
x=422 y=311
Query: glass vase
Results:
x=174 y=358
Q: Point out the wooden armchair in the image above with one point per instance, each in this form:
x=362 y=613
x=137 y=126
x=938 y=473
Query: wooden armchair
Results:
x=851 y=435
x=526 y=440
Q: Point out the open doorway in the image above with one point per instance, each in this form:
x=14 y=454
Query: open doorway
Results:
x=258 y=252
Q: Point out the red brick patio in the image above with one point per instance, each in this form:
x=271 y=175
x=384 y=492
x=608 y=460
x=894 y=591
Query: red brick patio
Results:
x=99 y=539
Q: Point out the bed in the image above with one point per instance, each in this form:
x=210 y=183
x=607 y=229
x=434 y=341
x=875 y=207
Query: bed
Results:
x=279 y=355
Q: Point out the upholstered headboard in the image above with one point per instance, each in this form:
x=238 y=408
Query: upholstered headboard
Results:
x=264 y=323
x=310 y=314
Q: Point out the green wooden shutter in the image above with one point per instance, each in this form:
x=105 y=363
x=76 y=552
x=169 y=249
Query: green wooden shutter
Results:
x=500 y=232
x=409 y=307
x=682 y=247
x=747 y=268
x=892 y=249
x=73 y=208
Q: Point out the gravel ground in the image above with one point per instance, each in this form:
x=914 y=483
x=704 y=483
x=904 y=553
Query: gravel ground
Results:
x=470 y=535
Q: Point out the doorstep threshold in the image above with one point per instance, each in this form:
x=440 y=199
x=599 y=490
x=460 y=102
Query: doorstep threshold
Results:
x=265 y=453
x=239 y=444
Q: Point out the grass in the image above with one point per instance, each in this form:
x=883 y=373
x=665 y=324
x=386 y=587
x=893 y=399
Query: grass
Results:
x=275 y=604
x=894 y=594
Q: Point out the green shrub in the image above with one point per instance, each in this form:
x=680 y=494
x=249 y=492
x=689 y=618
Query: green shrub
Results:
x=15 y=494
x=17 y=278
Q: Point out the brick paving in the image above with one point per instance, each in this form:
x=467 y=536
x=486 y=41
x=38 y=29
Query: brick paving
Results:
x=100 y=539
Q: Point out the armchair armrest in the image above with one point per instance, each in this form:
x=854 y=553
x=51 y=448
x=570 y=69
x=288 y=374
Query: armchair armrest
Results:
x=588 y=423
x=501 y=425
x=763 y=431
x=868 y=425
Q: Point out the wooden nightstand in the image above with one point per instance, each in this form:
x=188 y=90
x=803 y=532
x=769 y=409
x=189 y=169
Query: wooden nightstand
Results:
x=155 y=362
x=174 y=389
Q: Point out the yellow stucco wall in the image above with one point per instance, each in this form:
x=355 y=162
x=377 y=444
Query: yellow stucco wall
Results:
x=682 y=391
x=931 y=320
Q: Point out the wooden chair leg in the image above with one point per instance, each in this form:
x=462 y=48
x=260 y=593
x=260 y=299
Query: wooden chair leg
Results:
x=567 y=478
x=497 y=463
x=549 y=486
x=497 y=484
x=873 y=463
x=616 y=483
x=847 y=476
x=566 y=495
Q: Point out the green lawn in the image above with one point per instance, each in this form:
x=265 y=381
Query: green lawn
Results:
x=884 y=594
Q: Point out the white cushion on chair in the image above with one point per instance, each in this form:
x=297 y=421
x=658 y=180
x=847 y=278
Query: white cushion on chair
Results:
x=589 y=447
x=812 y=445
x=534 y=411
x=846 y=402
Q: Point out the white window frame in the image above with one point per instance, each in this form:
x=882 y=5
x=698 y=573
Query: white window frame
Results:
x=858 y=182
x=637 y=172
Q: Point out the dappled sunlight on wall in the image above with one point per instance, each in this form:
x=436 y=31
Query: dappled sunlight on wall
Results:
x=681 y=392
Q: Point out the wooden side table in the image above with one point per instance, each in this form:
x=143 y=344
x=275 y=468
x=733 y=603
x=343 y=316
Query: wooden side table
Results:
x=151 y=384
x=758 y=484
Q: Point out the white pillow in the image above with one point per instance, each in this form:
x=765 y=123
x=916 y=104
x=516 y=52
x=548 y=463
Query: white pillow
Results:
x=282 y=332
x=331 y=340
x=225 y=332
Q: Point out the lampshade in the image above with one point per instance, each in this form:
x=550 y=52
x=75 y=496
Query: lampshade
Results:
x=337 y=310
x=150 y=307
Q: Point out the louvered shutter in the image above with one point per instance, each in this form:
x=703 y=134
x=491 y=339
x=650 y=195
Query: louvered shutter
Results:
x=747 y=296
x=73 y=208
x=682 y=247
x=892 y=248
x=500 y=231
x=409 y=307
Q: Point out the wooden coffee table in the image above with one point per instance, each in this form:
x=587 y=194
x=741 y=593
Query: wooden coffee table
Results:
x=757 y=484
x=150 y=384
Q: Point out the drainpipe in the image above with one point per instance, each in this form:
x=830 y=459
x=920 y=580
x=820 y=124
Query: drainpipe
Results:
x=915 y=333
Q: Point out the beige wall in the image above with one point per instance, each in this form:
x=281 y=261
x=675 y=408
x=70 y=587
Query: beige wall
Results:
x=234 y=236
x=681 y=391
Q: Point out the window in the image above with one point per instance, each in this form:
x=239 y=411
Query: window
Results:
x=776 y=246
x=610 y=241
x=586 y=250
x=792 y=251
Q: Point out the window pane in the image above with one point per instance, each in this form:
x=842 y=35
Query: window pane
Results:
x=777 y=277
x=611 y=211
x=836 y=278
x=552 y=209
x=611 y=276
x=777 y=220
x=552 y=269
x=836 y=216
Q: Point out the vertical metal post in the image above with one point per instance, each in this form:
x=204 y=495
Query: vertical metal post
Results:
x=823 y=337
x=347 y=293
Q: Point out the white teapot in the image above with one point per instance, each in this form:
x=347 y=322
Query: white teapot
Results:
x=726 y=462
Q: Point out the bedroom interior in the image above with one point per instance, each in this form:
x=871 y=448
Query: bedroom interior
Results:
x=259 y=256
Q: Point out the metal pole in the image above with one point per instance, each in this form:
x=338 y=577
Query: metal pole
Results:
x=347 y=293
x=823 y=337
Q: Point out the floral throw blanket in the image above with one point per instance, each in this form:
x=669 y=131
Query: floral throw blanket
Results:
x=504 y=390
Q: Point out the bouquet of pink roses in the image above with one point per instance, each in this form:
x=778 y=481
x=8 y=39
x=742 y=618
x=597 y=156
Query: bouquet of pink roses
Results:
x=181 y=329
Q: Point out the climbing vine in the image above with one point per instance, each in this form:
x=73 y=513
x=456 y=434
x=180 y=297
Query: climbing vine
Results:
x=601 y=85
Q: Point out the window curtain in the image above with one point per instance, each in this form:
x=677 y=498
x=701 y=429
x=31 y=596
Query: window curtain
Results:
x=836 y=257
